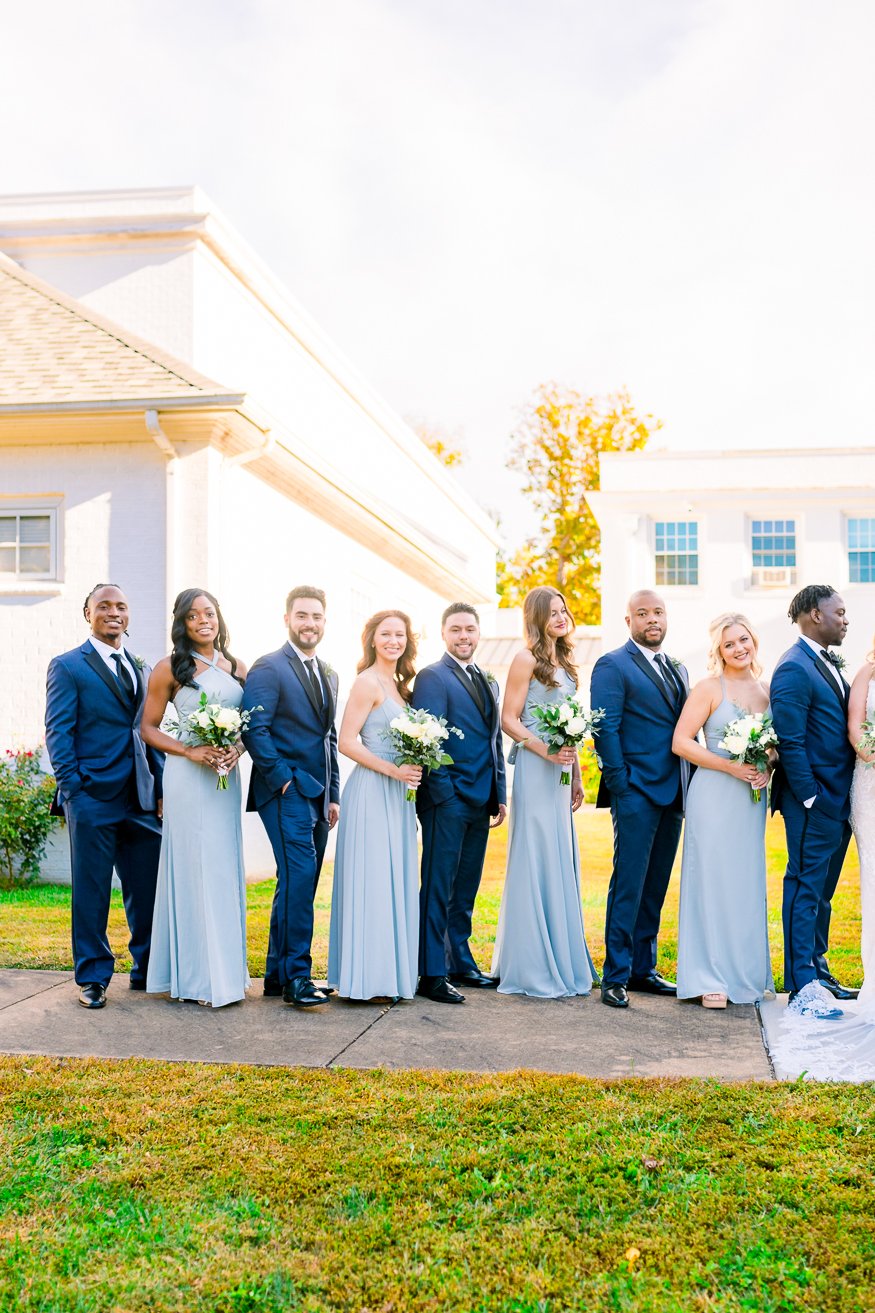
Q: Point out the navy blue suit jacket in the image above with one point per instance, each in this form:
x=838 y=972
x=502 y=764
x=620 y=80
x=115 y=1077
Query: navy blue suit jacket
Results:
x=811 y=721
x=290 y=738
x=93 y=733
x=477 y=773
x=634 y=738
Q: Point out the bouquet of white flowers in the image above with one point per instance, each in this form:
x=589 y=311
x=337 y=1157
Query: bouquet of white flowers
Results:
x=418 y=738
x=566 y=724
x=748 y=739
x=217 y=727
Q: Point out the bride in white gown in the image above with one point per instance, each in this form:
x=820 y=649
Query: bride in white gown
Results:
x=845 y=1049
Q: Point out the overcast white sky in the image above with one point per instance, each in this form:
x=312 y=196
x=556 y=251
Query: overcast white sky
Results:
x=474 y=196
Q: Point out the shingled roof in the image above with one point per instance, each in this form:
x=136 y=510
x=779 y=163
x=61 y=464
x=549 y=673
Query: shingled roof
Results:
x=55 y=349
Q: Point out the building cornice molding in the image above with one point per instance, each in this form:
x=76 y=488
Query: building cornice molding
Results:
x=283 y=463
x=200 y=224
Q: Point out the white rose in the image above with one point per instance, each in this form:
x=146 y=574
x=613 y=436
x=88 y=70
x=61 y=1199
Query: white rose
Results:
x=735 y=743
x=413 y=730
x=228 y=718
x=203 y=719
x=576 y=726
x=565 y=713
x=399 y=723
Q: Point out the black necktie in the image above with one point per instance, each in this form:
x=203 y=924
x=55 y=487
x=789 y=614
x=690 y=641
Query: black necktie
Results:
x=667 y=677
x=472 y=672
x=124 y=677
x=316 y=686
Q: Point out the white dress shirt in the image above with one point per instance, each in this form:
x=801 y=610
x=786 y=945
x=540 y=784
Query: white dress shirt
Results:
x=107 y=653
x=305 y=657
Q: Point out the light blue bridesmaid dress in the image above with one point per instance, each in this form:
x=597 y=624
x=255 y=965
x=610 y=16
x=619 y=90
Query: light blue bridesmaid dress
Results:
x=723 y=937
x=199 y=925
x=373 y=943
x=540 y=947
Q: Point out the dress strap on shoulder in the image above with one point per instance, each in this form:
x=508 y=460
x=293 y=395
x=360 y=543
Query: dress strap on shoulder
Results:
x=207 y=662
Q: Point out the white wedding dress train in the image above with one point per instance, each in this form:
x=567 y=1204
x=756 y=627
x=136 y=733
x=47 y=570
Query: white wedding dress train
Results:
x=843 y=1049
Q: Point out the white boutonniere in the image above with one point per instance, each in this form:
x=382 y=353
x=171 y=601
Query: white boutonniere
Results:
x=329 y=670
x=676 y=662
x=490 y=679
x=139 y=662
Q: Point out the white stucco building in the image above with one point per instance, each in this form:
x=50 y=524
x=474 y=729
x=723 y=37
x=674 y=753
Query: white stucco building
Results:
x=169 y=417
x=739 y=531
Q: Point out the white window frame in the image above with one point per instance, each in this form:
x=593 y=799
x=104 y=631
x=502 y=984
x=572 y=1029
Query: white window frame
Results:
x=849 y=549
x=779 y=576
x=43 y=506
x=677 y=519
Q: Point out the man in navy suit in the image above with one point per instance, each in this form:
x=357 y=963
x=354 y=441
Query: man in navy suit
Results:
x=295 y=785
x=109 y=790
x=457 y=805
x=641 y=692
x=811 y=788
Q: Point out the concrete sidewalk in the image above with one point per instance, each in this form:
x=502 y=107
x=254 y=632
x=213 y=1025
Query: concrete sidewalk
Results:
x=492 y=1032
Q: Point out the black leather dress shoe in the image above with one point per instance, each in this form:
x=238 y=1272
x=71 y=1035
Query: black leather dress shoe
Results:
x=615 y=996
x=476 y=979
x=92 y=996
x=652 y=984
x=137 y=984
x=439 y=990
x=302 y=993
x=828 y=980
x=273 y=989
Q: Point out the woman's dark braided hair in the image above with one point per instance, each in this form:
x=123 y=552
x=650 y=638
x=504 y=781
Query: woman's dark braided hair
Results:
x=182 y=662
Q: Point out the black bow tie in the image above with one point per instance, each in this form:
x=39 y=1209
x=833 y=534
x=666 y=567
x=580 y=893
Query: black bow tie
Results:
x=833 y=658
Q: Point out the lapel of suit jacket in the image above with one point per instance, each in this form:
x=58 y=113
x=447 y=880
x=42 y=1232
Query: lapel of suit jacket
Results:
x=820 y=667
x=99 y=666
x=464 y=680
x=298 y=667
x=330 y=704
x=647 y=666
x=141 y=681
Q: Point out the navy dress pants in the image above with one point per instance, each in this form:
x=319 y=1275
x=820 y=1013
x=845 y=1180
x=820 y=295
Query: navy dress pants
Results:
x=103 y=836
x=454 y=839
x=298 y=834
x=816 y=847
x=645 y=845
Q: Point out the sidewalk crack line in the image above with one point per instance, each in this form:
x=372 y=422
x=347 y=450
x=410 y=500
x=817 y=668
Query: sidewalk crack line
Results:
x=355 y=1039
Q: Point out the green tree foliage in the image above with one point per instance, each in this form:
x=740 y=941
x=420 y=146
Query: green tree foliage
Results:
x=25 y=822
x=556 y=447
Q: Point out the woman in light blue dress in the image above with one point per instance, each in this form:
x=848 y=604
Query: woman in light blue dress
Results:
x=199 y=925
x=723 y=939
x=540 y=947
x=374 y=938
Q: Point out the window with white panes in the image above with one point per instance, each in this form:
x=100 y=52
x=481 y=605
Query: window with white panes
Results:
x=27 y=543
x=676 y=552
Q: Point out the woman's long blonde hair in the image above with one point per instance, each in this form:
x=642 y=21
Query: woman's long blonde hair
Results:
x=717 y=629
x=536 y=616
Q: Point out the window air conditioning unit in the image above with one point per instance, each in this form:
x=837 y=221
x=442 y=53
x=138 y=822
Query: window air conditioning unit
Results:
x=781 y=576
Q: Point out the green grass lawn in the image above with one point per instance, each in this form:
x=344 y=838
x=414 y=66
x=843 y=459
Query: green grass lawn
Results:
x=145 y=1186
x=35 y=923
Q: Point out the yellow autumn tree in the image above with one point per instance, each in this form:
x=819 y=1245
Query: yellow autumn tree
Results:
x=556 y=447
x=447 y=447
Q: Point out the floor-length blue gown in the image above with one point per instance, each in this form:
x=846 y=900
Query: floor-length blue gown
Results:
x=540 y=947
x=199 y=925
x=723 y=937
x=373 y=944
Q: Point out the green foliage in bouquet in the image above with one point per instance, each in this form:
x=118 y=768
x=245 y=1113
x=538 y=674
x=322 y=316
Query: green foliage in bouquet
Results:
x=25 y=821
